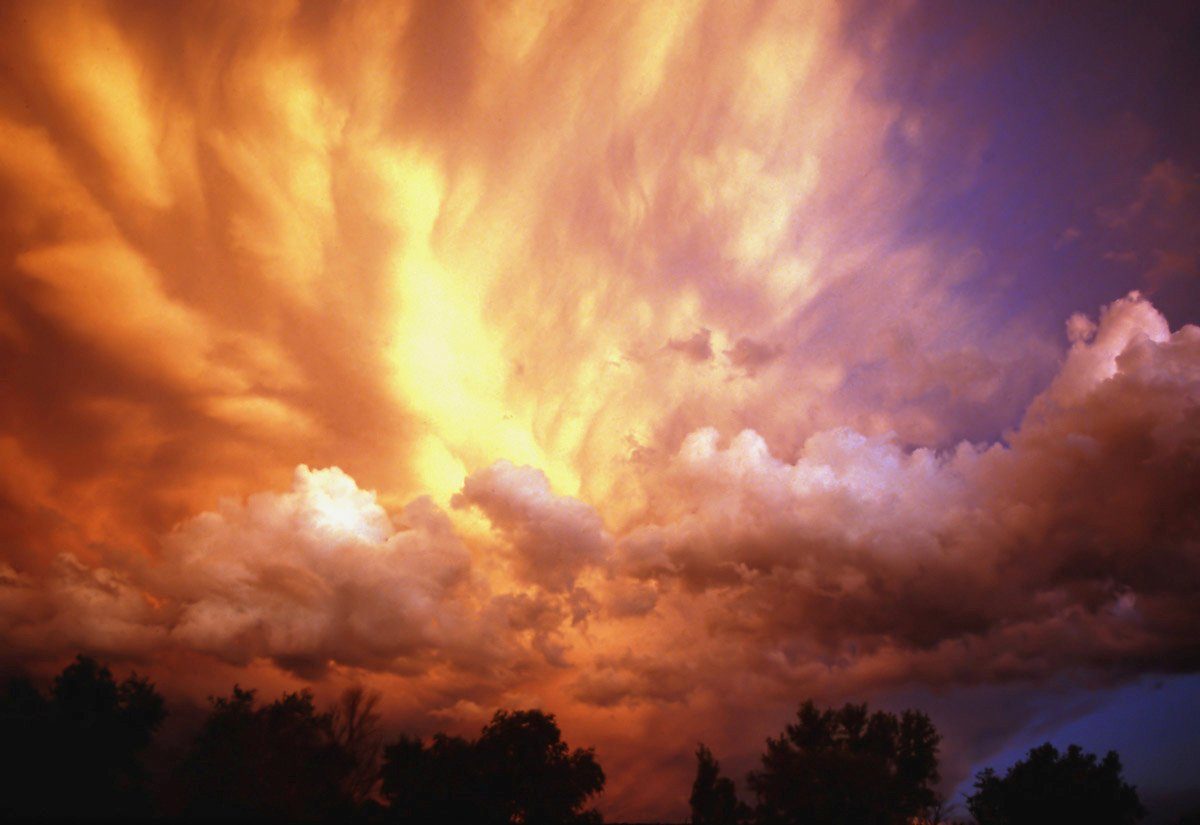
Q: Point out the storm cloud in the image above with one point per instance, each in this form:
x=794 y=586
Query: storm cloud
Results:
x=657 y=364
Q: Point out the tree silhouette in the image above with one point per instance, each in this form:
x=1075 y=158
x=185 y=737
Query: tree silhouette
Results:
x=1048 y=787
x=29 y=753
x=77 y=752
x=281 y=761
x=714 y=799
x=518 y=771
x=531 y=775
x=441 y=782
x=838 y=766
x=356 y=729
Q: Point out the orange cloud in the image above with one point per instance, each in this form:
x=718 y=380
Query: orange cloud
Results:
x=632 y=394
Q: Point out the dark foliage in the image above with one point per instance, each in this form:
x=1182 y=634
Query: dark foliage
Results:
x=518 y=771
x=281 y=761
x=438 y=782
x=714 y=799
x=78 y=751
x=356 y=730
x=838 y=766
x=1049 y=788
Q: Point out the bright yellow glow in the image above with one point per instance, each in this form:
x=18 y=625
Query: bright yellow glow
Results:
x=446 y=362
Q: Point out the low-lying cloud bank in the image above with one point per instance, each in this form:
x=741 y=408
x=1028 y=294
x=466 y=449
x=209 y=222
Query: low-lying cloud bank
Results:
x=1074 y=546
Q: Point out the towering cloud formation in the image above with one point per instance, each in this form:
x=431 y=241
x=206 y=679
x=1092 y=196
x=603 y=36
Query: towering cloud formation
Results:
x=649 y=383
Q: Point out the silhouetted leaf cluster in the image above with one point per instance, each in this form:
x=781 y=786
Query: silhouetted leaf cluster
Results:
x=518 y=770
x=848 y=765
x=278 y=761
x=1048 y=788
x=851 y=766
x=714 y=799
x=76 y=752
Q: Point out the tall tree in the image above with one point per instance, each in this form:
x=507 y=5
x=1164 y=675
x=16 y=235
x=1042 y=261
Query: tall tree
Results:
x=1049 y=788
x=356 y=729
x=848 y=765
x=441 y=782
x=78 y=752
x=532 y=775
x=28 y=750
x=714 y=799
x=518 y=771
x=280 y=761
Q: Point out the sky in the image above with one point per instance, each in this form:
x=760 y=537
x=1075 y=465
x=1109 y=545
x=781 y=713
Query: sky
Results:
x=660 y=365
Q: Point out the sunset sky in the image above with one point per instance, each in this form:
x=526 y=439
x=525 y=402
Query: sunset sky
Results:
x=656 y=364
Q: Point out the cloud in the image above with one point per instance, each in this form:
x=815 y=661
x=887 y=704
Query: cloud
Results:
x=76 y=607
x=1166 y=184
x=610 y=680
x=553 y=538
x=1095 y=350
x=319 y=574
x=751 y=355
x=1154 y=228
x=476 y=253
x=1074 y=544
x=1067 y=237
x=307 y=578
x=697 y=348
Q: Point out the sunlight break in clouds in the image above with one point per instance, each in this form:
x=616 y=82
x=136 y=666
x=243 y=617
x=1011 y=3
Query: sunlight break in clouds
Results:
x=635 y=383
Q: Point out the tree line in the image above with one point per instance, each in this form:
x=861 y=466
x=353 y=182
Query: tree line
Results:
x=848 y=765
x=83 y=749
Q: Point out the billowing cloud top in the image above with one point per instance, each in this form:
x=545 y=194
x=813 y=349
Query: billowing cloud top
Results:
x=662 y=363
